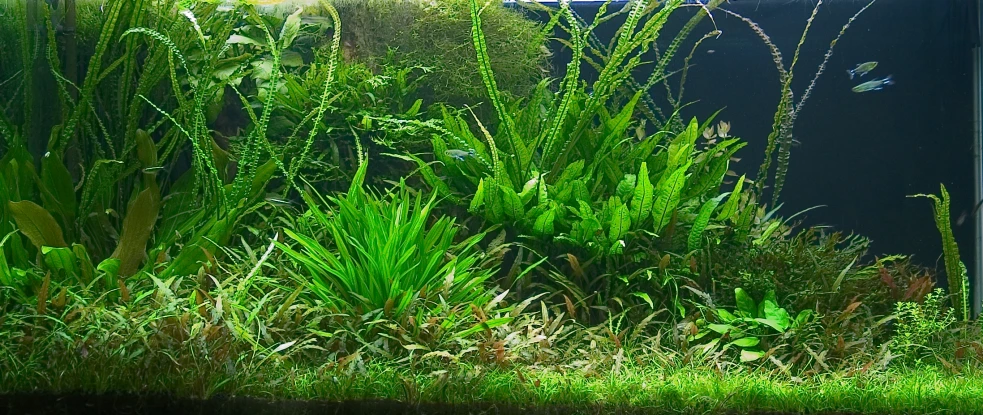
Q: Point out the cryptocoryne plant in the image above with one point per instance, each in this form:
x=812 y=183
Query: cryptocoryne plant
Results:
x=385 y=253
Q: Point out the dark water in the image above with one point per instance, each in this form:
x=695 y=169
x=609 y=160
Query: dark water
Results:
x=860 y=154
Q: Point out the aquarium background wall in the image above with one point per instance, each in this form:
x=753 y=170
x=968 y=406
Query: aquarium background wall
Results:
x=858 y=155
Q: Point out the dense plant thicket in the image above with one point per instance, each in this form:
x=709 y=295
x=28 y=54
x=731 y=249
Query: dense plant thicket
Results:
x=218 y=186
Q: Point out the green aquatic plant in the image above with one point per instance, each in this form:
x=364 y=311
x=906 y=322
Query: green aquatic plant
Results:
x=747 y=328
x=386 y=254
x=102 y=216
x=566 y=164
x=437 y=35
x=922 y=328
x=781 y=136
x=955 y=270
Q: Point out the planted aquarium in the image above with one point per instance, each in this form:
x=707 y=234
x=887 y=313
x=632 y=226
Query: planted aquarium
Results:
x=477 y=206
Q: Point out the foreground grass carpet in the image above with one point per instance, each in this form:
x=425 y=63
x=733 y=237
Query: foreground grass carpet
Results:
x=391 y=388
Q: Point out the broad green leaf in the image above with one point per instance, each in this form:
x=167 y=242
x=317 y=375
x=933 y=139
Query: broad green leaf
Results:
x=571 y=172
x=682 y=146
x=645 y=297
x=626 y=187
x=109 y=266
x=60 y=259
x=527 y=189
x=291 y=27
x=777 y=325
x=711 y=173
x=511 y=202
x=667 y=198
x=580 y=191
x=802 y=317
x=291 y=59
x=244 y=40
x=745 y=304
x=479 y=197
x=620 y=223
x=37 y=224
x=146 y=149
x=725 y=315
x=700 y=224
x=138 y=225
x=494 y=202
x=642 y=199
x=730 y=206
x=58 y=191
x=544 y=223
x=750 y=355
x=543 y=195
x=86 y=270
x=767 y=233
x=745 y=342
x=720 y=328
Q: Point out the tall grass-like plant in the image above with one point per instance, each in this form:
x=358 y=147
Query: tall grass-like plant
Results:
x=386 y=254
x=780 y=138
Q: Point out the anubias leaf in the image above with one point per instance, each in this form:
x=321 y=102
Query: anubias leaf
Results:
x=745 y=304
x=620 y=223
x=137 y=228
x=667 y=197
x=641 y=200
x=37 y=224
x=700 y=224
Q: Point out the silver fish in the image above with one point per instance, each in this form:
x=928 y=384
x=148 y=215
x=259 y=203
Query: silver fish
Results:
x=862 y=69
x=875 y=85
x=459 y=155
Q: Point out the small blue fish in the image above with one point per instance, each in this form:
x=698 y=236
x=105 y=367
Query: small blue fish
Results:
x=875 y=85
x=862 y=69
x=460 y=155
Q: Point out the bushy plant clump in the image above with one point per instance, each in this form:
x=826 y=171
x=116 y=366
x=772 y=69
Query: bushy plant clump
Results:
x=437 y=35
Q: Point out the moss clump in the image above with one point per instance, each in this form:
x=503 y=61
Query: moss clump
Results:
x=437 y=34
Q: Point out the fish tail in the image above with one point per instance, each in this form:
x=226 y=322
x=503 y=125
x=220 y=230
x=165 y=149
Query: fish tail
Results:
x=888 y=80
x=850 y=72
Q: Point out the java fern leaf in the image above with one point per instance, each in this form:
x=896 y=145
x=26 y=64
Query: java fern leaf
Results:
x=642 y=198
x=620 y=223
x=518 y=148
x=729 y=208
x=668 y=196
x=954 y=268
x=700 y=224
x=544 y=223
